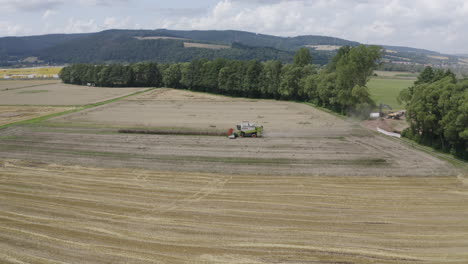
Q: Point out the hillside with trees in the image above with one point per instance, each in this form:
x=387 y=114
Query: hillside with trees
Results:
x=14 y=48
x=341 y=86
x=167 y=46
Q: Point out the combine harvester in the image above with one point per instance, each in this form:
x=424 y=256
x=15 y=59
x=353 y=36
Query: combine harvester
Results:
x=246 y=129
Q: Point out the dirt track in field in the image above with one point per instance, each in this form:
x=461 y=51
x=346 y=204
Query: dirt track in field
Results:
x=71 y=214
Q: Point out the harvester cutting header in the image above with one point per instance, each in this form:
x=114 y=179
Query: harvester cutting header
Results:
x=246 y=129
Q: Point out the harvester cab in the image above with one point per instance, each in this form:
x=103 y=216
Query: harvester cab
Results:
x=247 y=129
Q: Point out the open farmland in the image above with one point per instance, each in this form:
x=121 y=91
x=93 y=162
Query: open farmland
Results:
x=72 y=214
x=205 y=46
x=324 y=47
x=184 y=110
x=46 y=93
x=315 y=189
x=386 y=90
x=39 y=72
x=300 y=140
x=397 y=75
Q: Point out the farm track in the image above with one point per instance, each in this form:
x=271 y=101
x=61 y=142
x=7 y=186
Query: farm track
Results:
x=72 y=214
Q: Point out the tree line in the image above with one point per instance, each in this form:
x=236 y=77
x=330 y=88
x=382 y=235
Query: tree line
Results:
x=339 y=86
x=437 y=111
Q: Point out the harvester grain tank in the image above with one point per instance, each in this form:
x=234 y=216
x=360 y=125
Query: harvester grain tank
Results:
x=247 y=129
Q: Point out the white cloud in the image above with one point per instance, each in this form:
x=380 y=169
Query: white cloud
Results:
x=30 y=5
x=102 y=2
x=90 y=25
x=431 y=24
x=114 y=22
x=81 y=26
x=48 y=13
x=9 y=29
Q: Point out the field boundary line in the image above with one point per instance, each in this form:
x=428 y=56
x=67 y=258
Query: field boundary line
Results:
x=79 y=108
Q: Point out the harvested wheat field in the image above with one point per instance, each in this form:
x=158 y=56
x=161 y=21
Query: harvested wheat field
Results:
x=185 y=110
x=59 y=94
x=315 y=189
x=72 y=214
x=370 y=155
x=299 y=139
x=12 y=114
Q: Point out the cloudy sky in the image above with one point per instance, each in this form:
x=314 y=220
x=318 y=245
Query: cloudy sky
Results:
x=431 y=24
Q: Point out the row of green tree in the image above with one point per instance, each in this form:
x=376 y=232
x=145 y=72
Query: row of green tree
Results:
x=437 y=111
x=339 y=86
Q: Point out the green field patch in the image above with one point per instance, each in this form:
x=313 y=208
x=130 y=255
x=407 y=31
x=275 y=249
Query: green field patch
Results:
x=408 y=75
x=9 y=137
x=385 y=91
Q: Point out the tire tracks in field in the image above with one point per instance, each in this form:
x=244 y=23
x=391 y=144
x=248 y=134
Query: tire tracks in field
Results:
x=213 y=187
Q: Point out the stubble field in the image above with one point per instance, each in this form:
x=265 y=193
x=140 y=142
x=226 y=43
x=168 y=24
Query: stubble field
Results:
x=70 y=214
x=299 y=139
x=315 y=189
x=43 y=92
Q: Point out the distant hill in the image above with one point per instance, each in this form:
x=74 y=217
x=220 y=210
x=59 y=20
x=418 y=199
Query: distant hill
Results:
x=139 y=45
x=166 y=46
x=12 y=47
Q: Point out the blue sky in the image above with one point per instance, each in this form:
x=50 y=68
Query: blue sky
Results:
x=431 y=24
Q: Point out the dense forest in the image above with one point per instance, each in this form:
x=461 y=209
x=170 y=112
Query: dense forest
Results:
x=339 y=86
x=437 y=111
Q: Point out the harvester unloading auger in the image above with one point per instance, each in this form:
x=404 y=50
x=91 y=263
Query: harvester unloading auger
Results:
x=246 y=129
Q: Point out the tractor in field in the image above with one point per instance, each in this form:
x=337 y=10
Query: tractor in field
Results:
x=396 y=115
x=246 y=129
